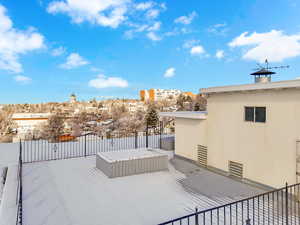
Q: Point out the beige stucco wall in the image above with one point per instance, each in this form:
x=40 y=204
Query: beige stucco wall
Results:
x=189 y=133
x=267 y=150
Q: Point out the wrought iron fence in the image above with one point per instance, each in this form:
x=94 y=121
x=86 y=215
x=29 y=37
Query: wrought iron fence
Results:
x=280 y=206
x=88 y=144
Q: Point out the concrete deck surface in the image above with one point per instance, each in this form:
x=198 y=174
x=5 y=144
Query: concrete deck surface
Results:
x=74 y=192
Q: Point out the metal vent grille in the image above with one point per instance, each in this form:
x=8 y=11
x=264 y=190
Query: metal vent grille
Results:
x=202 y=155
x=235 y=169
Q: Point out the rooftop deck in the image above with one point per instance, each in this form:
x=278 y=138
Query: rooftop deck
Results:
x=73 y=191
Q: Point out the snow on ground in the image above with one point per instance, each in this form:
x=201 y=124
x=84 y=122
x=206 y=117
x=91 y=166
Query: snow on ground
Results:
x=9 y=153
x=9 y=203
x=131 y=154
x=74 y=192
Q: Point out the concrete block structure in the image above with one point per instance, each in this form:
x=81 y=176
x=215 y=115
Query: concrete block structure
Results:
x=131 y=162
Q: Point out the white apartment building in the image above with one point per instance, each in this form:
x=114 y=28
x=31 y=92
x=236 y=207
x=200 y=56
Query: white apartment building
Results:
x=135 y=106
x=27 y=122
x=158 y=94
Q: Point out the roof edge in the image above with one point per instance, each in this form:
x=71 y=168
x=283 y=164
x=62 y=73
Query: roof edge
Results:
x=197 y=115
x=252 y=87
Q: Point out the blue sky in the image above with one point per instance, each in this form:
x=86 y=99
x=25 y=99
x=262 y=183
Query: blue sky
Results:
x=49 y=49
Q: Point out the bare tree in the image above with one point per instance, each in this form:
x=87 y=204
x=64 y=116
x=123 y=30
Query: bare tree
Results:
x=54 y=127
x=6 y=123
x=132 y=123
x=76 y=130
x=118 y=111
x=200 y=103
x=79 y=123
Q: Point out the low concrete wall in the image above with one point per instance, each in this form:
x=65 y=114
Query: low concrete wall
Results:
x=134 y=164
x=9 y=154
x=9 y=202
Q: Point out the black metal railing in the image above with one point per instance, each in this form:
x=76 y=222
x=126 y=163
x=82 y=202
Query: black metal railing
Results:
x=88 y=145
x=280 y=206
x=19 y=200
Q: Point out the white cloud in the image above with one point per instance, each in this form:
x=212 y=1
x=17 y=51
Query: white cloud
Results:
x=140 y=17
x=152 y=13
x=220 y=54
x=139 y=28
x=197 y=50
x=95 y=69
x=218 y=29
x=274 y=45
x=163 y=6
x=171 y=33
x=177 y=31
x=190 y=43
x=186 y=19
x=108 y=13
x=170 y=72
x=74 y=60
x=136 y=28
x=194 y=47
x=156 y=26
x=106 y=82
x=144 y=5
x=14 y=43
x=154 y=37
x=58 y=51
x=22 y=79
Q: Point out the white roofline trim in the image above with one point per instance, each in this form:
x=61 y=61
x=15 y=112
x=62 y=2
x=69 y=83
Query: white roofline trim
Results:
x=252 y=87
x=201 y=115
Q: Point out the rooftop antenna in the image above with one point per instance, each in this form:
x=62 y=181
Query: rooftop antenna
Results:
x=264 y=73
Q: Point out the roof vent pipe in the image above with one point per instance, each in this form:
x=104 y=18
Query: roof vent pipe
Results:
x=262 y=79
x=263 y=76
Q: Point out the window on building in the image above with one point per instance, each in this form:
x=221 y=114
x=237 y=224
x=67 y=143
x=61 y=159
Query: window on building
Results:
x=260 y=114
x=249 y=114
x=255 y=114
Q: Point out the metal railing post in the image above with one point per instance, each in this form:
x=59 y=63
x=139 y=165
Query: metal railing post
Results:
x=147 y=141
x=196 y=217
x=287 y=203
x=136 y=140
x=84 y=145
x=20 y=149
x=20 y=202
x=160 y=133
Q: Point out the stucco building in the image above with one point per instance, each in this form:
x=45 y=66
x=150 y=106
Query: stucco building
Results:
x=27 y=122
x=249 y=131
x=162 y=94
